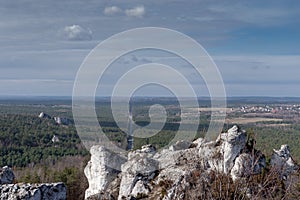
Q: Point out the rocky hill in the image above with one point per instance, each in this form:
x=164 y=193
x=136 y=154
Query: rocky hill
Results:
x=228 y=168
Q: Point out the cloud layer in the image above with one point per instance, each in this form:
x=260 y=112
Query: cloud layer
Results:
x=245 y=32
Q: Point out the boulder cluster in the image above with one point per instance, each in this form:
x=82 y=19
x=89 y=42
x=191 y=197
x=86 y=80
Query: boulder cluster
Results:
x=25 y=191
x=58 y=120
x=166 y=174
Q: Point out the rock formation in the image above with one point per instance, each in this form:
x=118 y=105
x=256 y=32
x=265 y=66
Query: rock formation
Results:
x=232 y=143
x=58 y=120
x=136 y=174
x=55 y=139
x=44 y=115
x=26 y=191
x=102 y=169
x=6 y=175
x=282 y=161
x=168 y=174
x=62 y=120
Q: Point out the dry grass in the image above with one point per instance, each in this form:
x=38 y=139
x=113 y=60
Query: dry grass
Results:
x=244 y=120
x=208 y=109
x=275 y=125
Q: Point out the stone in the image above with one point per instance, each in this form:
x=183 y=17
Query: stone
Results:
x=44 y=115
x=169 y=173
x=146 y=150
x=180 y=145
x=234 y=142
x=140 y=189
x=102 y=169
x=246 y=164
x=25 y=191
x=219 y=155
x=138 y=168
x=55 y=139
x=62 y=120
x=211 y=157
x=6 y=175
x=198 y=142
x=283 y=163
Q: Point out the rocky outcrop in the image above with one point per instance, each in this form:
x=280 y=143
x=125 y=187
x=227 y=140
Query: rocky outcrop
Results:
x=102 y=169
x=169 y=173
x=26 y=191
x=136 y=175
x=62 y=120
x=6 y=176
x=55 y=139
x=180 y=145
x=230 y=154
x=283 y=162
x=58 y=120
x=53 y=191
x=247 y=164
x=44 y=115
x=232 y=143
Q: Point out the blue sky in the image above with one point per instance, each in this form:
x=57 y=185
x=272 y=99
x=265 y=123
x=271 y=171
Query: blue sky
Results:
x=255 y=44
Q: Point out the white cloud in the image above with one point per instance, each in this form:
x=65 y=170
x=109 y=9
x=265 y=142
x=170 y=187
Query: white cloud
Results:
x=112 y=10
x=138 y=11
x=76 y=32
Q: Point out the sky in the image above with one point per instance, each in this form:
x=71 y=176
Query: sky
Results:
x=255 y=44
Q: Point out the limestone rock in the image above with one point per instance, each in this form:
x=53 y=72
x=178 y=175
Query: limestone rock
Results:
x=55 y=139
x=102 y=169
x=180 y=145
x=169 y=173
x=146 y=150
x=234 y=142
x=137 y=170
x=44 y=115
x=140 y=189
x=219 y=155
x=25 y=191
x=198 y=142
x=62 y=120
x=212 y=157
x=6 y=175
x=282 y=161
x=247 y=164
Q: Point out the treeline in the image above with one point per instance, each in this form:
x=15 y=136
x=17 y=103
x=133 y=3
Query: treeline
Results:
x=68 y=169
x=28 y=140
x=269 y=138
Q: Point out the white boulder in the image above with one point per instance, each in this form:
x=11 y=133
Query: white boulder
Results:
x=138 y=169
x=102 y=169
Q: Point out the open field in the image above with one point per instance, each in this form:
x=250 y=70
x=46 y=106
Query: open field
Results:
x=243 y=120
x=275 y=125
x=202 y=109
